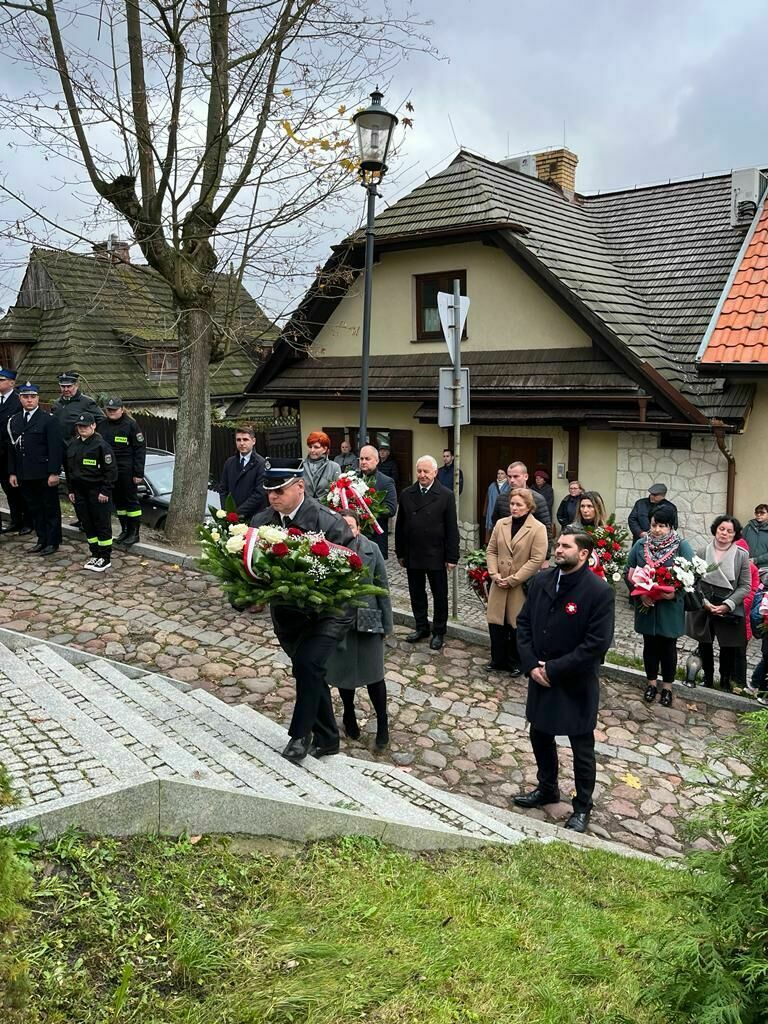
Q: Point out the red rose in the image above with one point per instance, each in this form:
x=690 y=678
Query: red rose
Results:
x=280 y=549
x=610 y=529
x=371 y=490
x=320 y=547
x=616 y=547
x=355 y=561
x=602 y=543
x=368 y=501
x=233 y=517
x=295 y=532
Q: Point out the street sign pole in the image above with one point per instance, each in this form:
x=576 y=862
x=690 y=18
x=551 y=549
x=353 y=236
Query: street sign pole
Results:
x=456 y=427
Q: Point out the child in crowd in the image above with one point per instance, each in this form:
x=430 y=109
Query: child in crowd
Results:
x=759 y=624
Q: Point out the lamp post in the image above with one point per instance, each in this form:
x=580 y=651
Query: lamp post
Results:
x=375 y=126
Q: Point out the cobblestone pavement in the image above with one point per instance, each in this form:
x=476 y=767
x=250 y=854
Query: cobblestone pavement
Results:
x=452 y=723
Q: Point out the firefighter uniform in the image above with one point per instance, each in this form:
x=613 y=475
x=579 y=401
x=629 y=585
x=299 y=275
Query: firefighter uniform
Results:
x=67 y=411
x=126 y=440
x=92 y=471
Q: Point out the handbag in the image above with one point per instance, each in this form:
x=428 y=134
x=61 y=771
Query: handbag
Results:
x=692 y=600
x=369 y=620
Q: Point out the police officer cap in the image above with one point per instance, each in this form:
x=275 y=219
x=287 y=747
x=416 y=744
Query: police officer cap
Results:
x=68 y=377
x=8 y=374
x=28 y=389
x=280 y=472
x=114 y=403
x=85 y=419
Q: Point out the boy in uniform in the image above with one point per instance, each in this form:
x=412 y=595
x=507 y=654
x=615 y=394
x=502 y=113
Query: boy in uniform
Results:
x=123 y=434
x=91 y=474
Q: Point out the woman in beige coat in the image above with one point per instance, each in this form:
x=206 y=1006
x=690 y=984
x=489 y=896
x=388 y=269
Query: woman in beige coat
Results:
x=516 y=551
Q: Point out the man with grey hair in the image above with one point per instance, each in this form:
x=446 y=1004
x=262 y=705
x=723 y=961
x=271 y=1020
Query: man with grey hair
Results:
x=427 y=545
x=370 y=472
x=517 y=476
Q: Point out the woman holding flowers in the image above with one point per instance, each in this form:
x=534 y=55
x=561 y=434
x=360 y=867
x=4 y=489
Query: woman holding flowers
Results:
x=359 y=657
x=516 y=551
x=319 y=470
x=660 y=622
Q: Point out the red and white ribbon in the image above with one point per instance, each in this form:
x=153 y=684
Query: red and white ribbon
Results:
x=251 y=540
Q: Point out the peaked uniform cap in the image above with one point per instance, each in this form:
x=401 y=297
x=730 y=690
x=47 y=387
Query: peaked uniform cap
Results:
x=29 y=389
x=68 y=377
x=114 y=403
x=8 y=374
x=85 y=419
x=279 y=472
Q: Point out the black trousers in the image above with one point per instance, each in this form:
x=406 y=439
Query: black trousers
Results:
x=584 y=767
x=660 y=652
x=381 y=540
x=96 y=519
x=15 y=501
x=503 y=645
x=417 y=589
x=733 y=664
x=41 y=504
x=313 y=710
x=758 y=675
x=125 y=494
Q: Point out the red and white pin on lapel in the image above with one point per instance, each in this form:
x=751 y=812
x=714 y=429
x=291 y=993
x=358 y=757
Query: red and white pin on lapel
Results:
x=571 y=608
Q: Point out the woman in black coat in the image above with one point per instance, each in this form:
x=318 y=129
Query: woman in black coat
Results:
x=569 y=506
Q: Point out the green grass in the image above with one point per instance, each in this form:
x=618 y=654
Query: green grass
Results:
x=163 y=932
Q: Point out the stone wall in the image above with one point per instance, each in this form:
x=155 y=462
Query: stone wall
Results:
x=697 y=479
x=469 y=537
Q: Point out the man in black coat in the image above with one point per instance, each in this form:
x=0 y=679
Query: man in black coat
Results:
x=388 y=466
x=427 y=544
x=517 y=475
x=35 y=455
x=563 y=634
x=71 y=404
x=9 y=406
x=307 y=639
x=242 y=478
x=640 y=516
x=369 y=470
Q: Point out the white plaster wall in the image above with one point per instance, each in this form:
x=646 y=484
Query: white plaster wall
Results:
x=697 y=480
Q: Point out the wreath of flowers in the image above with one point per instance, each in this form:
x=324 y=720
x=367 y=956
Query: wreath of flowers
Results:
x=350 y=490
x=284 y=566
x=478 y=577
x=610 y=554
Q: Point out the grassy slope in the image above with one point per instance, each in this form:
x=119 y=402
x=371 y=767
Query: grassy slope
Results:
x=335 y=933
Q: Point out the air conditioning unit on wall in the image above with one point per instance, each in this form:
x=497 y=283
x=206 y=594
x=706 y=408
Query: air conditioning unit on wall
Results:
x=747 y=187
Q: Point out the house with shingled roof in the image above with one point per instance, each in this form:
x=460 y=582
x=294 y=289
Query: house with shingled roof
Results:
x=587 y=312
x=114 y=322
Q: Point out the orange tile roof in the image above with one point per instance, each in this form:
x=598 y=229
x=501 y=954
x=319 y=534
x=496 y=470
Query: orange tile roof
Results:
x=740 y=334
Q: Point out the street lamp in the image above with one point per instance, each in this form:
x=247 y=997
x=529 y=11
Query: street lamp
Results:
x=375 y=126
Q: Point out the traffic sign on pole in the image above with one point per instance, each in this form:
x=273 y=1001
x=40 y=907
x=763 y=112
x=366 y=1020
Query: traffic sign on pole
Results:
x=446 y=397
x=448 y=321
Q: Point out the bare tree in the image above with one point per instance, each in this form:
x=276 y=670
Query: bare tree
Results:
x=217 y=130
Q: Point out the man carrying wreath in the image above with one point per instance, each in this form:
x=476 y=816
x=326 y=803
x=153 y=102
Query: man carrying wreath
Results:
x=307 y=638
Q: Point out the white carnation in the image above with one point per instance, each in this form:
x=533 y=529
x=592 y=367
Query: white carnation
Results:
x=272 y=534
x=235 y=545
x=221 y=514
x=616 y=577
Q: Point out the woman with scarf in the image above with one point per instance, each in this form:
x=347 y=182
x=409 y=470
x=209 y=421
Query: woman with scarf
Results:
x=660 y=623
x=516 y=551
x=723 y=588
x=319 y=470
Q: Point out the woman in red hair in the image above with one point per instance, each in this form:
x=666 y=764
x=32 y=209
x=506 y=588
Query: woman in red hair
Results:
x=319 y=470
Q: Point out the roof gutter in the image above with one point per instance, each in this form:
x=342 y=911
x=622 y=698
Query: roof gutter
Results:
x=719 y=429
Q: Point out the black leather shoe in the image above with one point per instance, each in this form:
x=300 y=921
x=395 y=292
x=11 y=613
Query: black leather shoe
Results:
x=578 y=821
x=536 y=798
x=50 y=550
x=324 y=751
x=298 y=748
x=25 y=530
x=420 y=634
x=351 y=728
x=491 y=666
x=436 y=643
x=382 y=733
x=515 y=671
x=666 y=698
x=651 y=692
x=35 y=548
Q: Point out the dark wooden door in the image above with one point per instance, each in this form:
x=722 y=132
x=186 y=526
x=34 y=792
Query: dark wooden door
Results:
x=497 y=452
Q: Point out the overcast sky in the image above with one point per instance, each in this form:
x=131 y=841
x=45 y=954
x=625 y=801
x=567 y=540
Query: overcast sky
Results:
x=641 y=93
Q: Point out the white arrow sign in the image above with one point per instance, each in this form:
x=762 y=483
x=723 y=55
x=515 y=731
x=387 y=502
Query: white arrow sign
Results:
x=445 y=309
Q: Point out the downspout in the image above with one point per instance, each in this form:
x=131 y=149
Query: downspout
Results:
x=718 y=429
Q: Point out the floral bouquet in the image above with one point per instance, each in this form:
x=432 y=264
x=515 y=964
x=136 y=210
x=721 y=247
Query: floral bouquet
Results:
x=610 y=556
x=688 y=573
x=478 y=577
x=655 y=582
x=258 y=564
x=351 y=491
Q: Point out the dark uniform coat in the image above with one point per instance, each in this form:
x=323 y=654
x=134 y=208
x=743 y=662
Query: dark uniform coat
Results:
x=9 y=408
x=90 y=463
x=291 y=623
x=426 y=531
x=570 y=630
x=359 y=658
x=126 y=440
x=246 y=486
x=35 y=449
x=67 y=411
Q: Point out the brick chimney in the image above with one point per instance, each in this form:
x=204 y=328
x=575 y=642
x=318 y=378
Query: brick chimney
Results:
x=559 y=167
x=114 y=250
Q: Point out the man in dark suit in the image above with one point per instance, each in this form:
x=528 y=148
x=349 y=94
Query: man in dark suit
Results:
x=307 y=639
x=243 y=476
x=563 y=634
x=9 y=406
x=34 y=464
x=369 y=469
x=517 y=476
x=388 y=466
x=427 y=544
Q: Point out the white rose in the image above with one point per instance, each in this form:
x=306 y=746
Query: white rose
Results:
x=215 y=536
x=235 y=545
x=238 y=530
x=221 y=514
x=272 y=534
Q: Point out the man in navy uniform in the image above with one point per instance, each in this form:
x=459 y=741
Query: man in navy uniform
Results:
x=9 y=406
x=563 y=634
x=91 y=475
x=308 y=639
x=34 y=462
x=242 y=478
x=124 y=436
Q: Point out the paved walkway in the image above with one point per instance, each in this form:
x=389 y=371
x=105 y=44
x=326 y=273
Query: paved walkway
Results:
x=453 y=724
